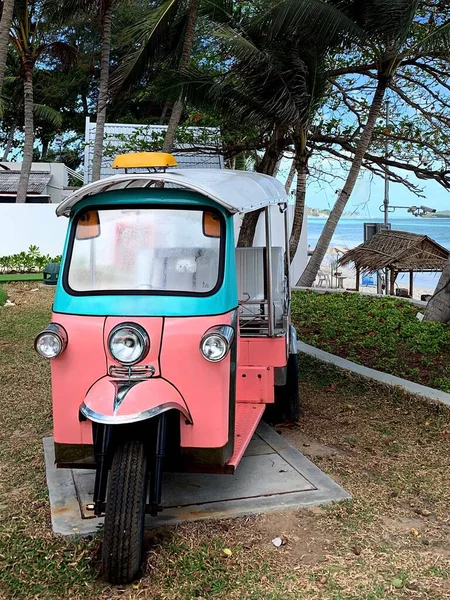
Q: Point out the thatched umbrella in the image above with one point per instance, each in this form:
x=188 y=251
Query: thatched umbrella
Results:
x=398 y=251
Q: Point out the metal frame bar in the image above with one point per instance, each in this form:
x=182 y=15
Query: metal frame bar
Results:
x=287 y=264
x=269 y=270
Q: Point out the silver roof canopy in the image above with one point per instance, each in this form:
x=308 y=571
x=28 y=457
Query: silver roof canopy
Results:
x=237 y=191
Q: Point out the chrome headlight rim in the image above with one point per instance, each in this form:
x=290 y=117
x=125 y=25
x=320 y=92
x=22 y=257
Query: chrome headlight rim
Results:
x=225 y=333
x=140 y=333
x=59 y=333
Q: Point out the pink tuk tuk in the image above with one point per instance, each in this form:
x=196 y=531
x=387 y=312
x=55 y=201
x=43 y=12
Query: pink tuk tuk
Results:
x=167 y=343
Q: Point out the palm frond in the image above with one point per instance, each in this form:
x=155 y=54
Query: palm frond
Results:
x=63 y=52
x=240 y=46
x=388 y=21
x=145 y=37
x=314 y=20
x=218 y=11
x=48 y=114
x=436 y=42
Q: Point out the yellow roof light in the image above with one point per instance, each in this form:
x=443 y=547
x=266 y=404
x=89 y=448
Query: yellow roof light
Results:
x=144 y=160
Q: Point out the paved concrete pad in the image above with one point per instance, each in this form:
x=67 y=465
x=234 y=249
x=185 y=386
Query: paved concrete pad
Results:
x=271 y=476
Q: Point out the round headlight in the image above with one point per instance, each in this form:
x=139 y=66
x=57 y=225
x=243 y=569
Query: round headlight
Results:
x=48 y=345
x=51 y=342
x=128 y=343
x=214 y=347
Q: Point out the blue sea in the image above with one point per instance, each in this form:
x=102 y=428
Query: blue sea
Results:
x=350 y=233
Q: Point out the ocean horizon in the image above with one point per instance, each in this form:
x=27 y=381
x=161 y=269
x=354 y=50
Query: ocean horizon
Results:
x=350 y=233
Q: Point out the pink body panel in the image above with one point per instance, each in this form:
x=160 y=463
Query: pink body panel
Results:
x=205 y=386
x=263 y=352
x=81 y=364
x=152 y=325
x=142 y=396
x=255 y=384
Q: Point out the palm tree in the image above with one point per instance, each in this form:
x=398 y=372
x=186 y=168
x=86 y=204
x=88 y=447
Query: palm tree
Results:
x=103 y=13
x=185 y=58
x=277 y=78
x=33 y=40
x=391 y=24
x=7 y=7
x=157 y=37
x=105 y=8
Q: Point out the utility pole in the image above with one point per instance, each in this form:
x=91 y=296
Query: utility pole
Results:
x=386 y=175
x=386 y=192
x=385 y=202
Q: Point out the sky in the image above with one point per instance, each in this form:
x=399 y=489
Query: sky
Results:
x=369 y=193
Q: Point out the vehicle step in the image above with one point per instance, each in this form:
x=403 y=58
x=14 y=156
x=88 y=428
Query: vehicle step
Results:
x=248 y=417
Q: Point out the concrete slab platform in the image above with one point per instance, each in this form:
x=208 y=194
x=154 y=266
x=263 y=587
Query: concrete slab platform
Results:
x=272 y=475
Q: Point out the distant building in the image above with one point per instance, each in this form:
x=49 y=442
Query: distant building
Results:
x=48 y=183
x=202 y=155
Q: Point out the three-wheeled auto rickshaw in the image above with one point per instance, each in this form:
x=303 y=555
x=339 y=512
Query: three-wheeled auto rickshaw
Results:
x=167 y=342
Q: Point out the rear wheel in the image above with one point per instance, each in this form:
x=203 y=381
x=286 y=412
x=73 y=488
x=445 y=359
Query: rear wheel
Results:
x=125 y=513
x=287 y=398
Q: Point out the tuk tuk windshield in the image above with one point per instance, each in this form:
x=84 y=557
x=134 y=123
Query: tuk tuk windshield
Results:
x=174 y=250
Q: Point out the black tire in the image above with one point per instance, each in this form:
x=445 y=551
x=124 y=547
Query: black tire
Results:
x=125 y=513
x=287 y=398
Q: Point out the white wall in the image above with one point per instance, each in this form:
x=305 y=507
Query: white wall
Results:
x=23 y=225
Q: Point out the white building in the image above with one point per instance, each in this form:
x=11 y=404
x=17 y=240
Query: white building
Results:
x=48 y=182
x=204 y=152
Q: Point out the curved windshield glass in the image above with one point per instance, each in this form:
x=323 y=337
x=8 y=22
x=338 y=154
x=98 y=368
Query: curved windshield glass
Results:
x=147 y=249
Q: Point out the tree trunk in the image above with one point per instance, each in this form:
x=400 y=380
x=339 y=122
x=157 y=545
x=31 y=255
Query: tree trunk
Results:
x=300 y=197
x=310 y=273
x=102 y=93
x=290 y=178
x=177 y=109
x=9 y=142
x=165 y=110
x=268 y=166
x=5 y=25
x=438 y=308
x=28 y=136
x=45 y=145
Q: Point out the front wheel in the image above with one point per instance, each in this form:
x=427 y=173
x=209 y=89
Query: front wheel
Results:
x=125 y=513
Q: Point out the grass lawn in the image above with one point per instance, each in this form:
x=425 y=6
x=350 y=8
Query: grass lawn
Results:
x=382 y=333
x=390 y=451
x=21 y=277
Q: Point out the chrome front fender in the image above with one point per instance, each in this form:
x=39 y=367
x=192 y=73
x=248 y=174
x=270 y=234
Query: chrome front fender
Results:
x=112 y=401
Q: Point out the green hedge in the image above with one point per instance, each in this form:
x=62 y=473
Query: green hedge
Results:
x=26 y=262
x=382 y=333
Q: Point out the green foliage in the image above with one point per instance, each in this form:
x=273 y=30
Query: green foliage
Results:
x=3 y=296
x=382 y=333
x=26 y=262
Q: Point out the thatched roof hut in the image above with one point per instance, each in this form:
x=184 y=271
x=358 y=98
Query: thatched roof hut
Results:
x=398 y=251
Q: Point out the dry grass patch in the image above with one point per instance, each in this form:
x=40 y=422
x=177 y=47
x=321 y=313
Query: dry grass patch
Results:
x=392 y=541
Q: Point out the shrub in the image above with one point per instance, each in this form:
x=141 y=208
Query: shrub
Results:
x=26 y=262
x=3 y=296
x=382 y=333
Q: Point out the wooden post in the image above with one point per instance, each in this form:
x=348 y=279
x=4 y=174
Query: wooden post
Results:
x=411 y=283
x=358 y=274
x=393 y=276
